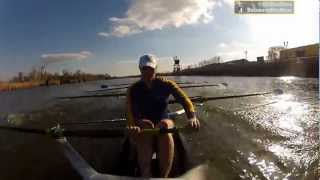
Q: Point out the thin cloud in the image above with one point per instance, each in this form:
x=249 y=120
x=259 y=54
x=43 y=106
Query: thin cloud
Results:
x=127 y=62
x=104 y=34
x=223 y=45
x=300 y=28
x=63 y=57
x=236 y=50
x=146 y=15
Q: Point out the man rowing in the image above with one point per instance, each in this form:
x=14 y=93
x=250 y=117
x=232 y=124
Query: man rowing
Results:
x=147 y=103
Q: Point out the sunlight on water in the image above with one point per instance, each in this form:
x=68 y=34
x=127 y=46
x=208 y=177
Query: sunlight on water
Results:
x=292 y=113
x=267 y=168
x=287 y=79
x=285 y=153
x=280 y=150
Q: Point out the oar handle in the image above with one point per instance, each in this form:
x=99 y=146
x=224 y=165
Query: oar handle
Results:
x=160 y=131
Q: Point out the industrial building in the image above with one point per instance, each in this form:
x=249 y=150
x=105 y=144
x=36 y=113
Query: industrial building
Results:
x=300 y=54
x=274 y=53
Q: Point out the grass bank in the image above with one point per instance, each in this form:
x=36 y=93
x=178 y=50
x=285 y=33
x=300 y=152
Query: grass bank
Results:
x=10 y=86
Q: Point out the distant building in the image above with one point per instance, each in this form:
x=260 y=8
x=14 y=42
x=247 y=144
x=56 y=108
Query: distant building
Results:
x=274 y=53
x=299 y=54
x=176 y=65
x=20 y=77
x=238 y=61
x=260 y=59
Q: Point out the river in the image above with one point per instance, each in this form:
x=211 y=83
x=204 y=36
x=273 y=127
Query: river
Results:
x=274 y=136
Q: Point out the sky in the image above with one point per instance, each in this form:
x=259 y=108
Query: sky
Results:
x=109 y=36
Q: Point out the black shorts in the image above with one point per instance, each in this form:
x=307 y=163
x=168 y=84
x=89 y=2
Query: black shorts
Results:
x=162 y=117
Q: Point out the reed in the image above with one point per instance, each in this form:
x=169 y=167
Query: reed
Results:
x=10 y=86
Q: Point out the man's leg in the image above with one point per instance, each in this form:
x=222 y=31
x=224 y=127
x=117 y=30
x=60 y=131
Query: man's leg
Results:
x=144 y=145
x=165 y=148
x=145 y=151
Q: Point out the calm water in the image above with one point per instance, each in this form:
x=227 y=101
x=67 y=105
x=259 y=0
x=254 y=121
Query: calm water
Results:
x=261 y=137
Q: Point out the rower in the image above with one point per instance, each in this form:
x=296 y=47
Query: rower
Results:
x=147 y=104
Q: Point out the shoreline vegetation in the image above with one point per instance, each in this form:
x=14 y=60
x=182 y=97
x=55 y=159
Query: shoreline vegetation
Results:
x=38 y=78
x=9 y=86
x=308 y=69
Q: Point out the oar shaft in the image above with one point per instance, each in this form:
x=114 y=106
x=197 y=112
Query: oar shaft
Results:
x=234 y=96
x=126 y=84
x=25 y=130
x=194 y=99
x=109 y=89
x=102 y=133
x=123 y=120
x=115 y=132
x=95 y=122
x=200 y=99
x=183 y=87
x=193 y=86
x=94 y=96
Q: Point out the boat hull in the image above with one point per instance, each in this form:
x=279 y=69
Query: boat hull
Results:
x=127 y=168
x=128 y=163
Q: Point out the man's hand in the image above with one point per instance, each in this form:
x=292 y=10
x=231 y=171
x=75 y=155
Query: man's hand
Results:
x=133 y=130
x=194 y=123
x=142 y=124
x=145 y=124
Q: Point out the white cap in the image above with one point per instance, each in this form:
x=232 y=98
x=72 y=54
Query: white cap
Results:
x=148 y=60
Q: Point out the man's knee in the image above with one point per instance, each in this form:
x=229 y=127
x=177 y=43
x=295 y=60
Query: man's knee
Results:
x=166 y=123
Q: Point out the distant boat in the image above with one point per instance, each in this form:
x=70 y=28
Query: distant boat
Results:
x=104 y=86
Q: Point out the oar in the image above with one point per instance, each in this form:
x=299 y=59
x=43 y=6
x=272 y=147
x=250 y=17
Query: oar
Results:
x=94 y=122
x=200 y=99
x=197 y=99
x=119 y=132
x=125 y=87
x=58 y=132
x=108 y=89
x=170 y=114
x=94 y=96
x=25 y=130
x=124 y=94
x=127 y=84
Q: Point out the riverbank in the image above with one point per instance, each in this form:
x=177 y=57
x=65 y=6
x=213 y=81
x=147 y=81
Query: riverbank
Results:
x=10 y=86
x=308 y=68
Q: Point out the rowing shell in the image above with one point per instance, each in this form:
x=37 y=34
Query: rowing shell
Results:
x=87 y=172
x=127 y=168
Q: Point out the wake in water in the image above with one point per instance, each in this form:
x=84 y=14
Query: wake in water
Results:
x=250 y=143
